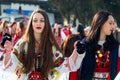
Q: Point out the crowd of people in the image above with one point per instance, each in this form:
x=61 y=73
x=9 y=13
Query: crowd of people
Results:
x=41 y=52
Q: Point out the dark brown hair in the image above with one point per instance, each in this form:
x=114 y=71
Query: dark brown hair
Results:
x=68 y=44
x=46 y=43
x=98 y=21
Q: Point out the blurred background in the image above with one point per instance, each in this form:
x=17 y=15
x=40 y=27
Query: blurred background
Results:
x=65 y=12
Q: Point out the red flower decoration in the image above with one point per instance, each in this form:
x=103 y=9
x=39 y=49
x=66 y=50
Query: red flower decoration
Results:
x=35 y=76
x=57 y=54
x=59 y=61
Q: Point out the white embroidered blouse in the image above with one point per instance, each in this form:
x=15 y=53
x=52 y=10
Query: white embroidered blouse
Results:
x=11 y=72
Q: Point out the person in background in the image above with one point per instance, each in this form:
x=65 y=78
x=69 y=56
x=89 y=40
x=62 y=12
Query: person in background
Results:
x=6 y=67
x=57 y=33
x=22 y=27
x=86 y=31
x=38 y=52
x=0 y=22
x=19 y=31
x=65 y=31
x=80 y=31
x=67 y=48
x=74 y=29
x=101 y=50
x=13 y=27
x=4 y=28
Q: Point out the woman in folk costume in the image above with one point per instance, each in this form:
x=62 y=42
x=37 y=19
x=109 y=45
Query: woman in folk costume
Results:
x=65 y=31
x=19 y=31
x=57 y=33
x=4 y=28
x=67 y=48
x=38 y=51
x=101 y=56
x=6 y=68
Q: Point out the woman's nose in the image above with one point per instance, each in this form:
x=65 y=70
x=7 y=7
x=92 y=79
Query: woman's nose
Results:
x=114 y=27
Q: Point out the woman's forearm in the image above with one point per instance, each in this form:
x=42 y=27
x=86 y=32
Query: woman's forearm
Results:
x=74 y=55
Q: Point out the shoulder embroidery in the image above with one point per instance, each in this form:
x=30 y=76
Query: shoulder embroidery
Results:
x=58 y=57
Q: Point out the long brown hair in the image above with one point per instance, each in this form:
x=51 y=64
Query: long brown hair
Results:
x=68 y=44
x=46 y=43
x=94 y=35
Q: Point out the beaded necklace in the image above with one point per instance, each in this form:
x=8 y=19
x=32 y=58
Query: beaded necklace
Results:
x=102 y=57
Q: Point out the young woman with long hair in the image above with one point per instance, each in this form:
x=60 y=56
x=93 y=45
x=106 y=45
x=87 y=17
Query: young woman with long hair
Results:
x=38 y=52
x=101 y=57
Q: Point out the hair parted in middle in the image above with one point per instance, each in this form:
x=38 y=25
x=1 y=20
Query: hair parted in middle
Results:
x=46 y=43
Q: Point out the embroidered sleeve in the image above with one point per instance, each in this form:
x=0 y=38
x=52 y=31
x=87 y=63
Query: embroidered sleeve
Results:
x=16 y=49
x=66 y=64
x=58 y=57
x=17 y=62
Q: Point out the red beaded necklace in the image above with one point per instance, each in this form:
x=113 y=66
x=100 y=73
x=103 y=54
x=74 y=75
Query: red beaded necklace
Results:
x=102 y=57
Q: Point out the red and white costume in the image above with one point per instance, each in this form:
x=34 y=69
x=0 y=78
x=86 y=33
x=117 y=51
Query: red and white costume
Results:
x=60 y=64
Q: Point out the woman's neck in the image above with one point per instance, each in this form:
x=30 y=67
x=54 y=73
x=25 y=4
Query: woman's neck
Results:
x=102 y=37
x=37 y=37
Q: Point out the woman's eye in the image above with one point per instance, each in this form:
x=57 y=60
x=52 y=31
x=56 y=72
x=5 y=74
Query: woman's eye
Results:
x=111 y=23
x=35 y=20
x=42 y=20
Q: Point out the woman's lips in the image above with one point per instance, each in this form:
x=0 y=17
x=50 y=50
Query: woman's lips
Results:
x=38 y=27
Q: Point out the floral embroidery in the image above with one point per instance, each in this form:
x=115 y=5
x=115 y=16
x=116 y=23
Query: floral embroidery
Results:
x=35 y=76
x=102 y=58
x=59 y=61
x=57 y=54
x=102 y=64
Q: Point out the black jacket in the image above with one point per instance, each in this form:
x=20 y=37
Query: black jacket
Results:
x=88 y=63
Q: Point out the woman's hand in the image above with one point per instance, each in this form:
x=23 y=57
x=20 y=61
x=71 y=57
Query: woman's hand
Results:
x=80 y=47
